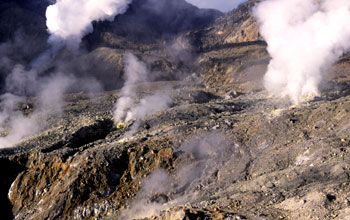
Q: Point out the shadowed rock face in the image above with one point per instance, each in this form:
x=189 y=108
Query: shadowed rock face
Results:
x=147 y=21
x=37 y=6
x=223 y=149
x=28 y=16
x=8 y=175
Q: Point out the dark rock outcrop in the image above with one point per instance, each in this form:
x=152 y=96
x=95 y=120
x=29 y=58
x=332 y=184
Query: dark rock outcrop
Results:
x=147 y=21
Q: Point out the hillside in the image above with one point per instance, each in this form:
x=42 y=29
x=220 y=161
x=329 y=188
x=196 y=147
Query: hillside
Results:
x=223 y=148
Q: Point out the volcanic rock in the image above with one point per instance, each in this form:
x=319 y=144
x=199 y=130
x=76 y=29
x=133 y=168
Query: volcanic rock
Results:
x=224 y=149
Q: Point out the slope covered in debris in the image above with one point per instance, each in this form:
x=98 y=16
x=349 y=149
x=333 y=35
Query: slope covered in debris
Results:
x=222 y=149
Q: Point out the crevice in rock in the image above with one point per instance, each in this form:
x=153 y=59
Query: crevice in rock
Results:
x=8 y=174
x=331 y=197
x=233 y=45
x=201 y=97
x=91 y=133
x=119 y=167
x=198 y=215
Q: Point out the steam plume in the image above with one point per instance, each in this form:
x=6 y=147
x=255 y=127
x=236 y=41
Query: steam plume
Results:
x=68 y=21
x=148 y=105
x=134 y=72
x=49 y=100
x=304 y=38
x=128 y=107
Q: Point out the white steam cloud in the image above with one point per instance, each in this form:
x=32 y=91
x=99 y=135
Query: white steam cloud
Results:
x=68 y=21
x=148 y=105
x=30 y=98
x=304 y=38
x=128 y=106
x=134 y=72
x=14 y=124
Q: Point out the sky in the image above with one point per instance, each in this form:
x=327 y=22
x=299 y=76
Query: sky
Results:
x=222 y=5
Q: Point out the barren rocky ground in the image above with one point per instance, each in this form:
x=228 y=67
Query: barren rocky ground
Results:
x=223 y=150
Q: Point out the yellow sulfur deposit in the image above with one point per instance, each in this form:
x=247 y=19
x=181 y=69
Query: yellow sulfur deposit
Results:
x=123 y=140
x=276 y=111
x=308 y=97
x=120 y=125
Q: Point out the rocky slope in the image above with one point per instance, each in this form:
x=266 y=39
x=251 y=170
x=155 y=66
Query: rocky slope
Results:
x=224 y=149
x=228 y=156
